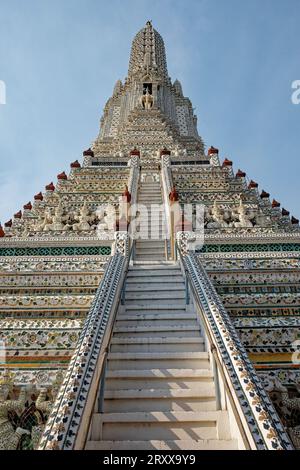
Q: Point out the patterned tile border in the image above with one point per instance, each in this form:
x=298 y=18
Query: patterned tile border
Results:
x=56 y=251
x=247 y=247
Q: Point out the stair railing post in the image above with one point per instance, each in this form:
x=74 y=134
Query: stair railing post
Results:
x=102 y=385
x=166 y=249
x=167 y=183
x=123 y=293
x=216 y=377
x=187 y=292
x=172 y=233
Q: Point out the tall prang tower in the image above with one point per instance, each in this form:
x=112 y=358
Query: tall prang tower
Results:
x=169 y=120
x=117 y=329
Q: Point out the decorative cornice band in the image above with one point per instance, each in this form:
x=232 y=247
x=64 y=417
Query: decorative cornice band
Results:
x=56 y=251
x=247 y=248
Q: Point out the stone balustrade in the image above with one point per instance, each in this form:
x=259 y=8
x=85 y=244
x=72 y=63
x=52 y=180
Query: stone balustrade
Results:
x=257 y=416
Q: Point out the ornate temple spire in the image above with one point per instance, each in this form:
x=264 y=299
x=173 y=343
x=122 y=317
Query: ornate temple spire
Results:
x=148 y=54
x=148 y=111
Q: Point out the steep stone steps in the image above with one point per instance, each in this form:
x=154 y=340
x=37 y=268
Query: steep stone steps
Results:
x=149 y=400
x=176 y=444
x=159 y=388
x=150 y=321
x=158 y=379
x=160 y=425
x=164 y=344
x=157 y=360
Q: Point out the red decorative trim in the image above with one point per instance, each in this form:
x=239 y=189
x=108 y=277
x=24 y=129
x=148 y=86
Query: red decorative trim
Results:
x=38 y=197
x=227 y=162
x=28 y=206
x=240 y=174
x=252 y=185
x=88 y=153
x=264 y=194
x=212 y=150
x=164 y=151
x=50 y=187
x=285 y=212
x=62 y=176
x=136 y=152
x=173 y=196
x=75 y=164
x=275 y=203
x=126 y=195
x=18 y=215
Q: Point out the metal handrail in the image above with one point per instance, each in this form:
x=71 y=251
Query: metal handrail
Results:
x=217 y=359
x=131 y=253
x=165 y=194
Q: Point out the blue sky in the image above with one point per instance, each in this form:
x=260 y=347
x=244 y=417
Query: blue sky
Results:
x=236 y=61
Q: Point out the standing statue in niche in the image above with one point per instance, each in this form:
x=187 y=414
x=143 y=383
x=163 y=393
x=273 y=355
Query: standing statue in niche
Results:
x=147 y=100
x=147 y=59
x=10 y=438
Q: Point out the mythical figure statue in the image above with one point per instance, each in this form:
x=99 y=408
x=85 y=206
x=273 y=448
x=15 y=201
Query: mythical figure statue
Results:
x=107 y=217
x=227 y=216
x=241 y=215
x=263 y=220
x=44 y=221
x=292 y=404
x=217 y=217
x=10 y=438
x=147 y=100
x=56 y=222
x=84 y=218
x=44 y=405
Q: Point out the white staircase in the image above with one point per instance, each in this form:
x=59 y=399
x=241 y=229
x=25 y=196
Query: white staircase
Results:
x=159 y=388
x=150 y=246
